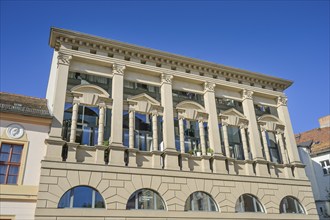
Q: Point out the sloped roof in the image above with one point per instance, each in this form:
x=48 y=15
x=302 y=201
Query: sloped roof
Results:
x=320 y=138
x=23 y=105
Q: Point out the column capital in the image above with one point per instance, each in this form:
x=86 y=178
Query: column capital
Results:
x=282 y=101
x=247 y=94
x=166 y=78
x=75 y=101
x=154 y=112
x=279 y=131
x=209 y=87
x=224 y=123
x=243 y=126
x=102 y=105
x=63 y=59
x=118 y=69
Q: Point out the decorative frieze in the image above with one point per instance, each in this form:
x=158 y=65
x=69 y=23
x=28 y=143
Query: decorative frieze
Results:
x=182 y=62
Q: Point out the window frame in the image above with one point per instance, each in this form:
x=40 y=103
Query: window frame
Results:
x=325 y=164
x=21 y=142
x=297 y=204
x=256 y=201
x=209 y=200
x=71 y=198
x=136 y=200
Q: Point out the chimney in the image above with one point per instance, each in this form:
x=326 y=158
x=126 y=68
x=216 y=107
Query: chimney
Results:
x=324 y=121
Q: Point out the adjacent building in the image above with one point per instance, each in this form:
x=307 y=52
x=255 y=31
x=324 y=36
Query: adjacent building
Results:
x=314 y=151
x=140 y=133
x=24 y=126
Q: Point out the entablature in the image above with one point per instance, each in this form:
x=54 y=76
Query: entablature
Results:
x=108 y=48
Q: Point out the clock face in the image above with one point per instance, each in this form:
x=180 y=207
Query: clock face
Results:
x=15 y=131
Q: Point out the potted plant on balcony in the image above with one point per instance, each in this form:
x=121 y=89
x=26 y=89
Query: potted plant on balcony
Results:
x=209 y=151
x=198 y=152
x=191 y=152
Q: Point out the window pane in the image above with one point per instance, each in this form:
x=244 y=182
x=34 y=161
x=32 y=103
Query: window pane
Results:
x=2 y=179
x=17 y=149
x=145 y=199
x=5 y=148
x=99 y=202
x=65 y=200
x=131 y=203
x=15 y=158
x=13 y=170
x=3 y=169
x=248 y=203
x=12 y=180
x=82 y=197
x=200 y=201
x=4 y=157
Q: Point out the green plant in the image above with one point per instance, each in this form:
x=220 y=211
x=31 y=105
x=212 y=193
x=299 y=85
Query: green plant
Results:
x=106 y=143
x=209 y=150
x=191 y=152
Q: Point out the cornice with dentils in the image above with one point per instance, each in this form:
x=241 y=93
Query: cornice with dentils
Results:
x=58 y=36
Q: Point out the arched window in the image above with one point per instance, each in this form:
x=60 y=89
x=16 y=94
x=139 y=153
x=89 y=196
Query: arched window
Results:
x=248 y=203
x=200 y=201
x=81 y=197
x=291 y=205
x=145 y=199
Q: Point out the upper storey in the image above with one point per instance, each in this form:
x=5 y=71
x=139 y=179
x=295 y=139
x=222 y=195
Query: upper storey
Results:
x=177 y=65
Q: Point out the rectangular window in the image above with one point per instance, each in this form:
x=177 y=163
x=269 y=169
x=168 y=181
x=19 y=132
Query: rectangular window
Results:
x=273 y=147
x=10 y=162
x=235 y=142
x=325 y=166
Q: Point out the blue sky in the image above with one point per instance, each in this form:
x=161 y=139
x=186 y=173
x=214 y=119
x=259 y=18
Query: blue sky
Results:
x=287 y=39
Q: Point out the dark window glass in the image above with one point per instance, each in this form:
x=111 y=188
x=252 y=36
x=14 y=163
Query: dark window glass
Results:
x=200 y=201
x=235 y=142
x=145 y=199
x=81 y=197
x=273 y=147
x=291 y=205
x=248 y=203
x=10 y=161
x=224 y=104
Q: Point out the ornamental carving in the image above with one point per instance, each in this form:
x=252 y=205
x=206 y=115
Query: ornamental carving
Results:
x=209 y=87
x=281 y=100
x=15 y=131
x=63 y=59
x=166 y=78
x=118 y=69
x=247 y=94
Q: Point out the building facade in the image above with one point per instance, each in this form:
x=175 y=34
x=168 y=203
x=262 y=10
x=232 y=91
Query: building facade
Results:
x=24 y=125
x=314 y=151
x=142 y=133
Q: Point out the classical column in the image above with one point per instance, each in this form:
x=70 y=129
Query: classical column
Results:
x=170 y=153
x=117 y=151
x=181 y=132
x=117 y=106
x=249 y=112
x=265 y=143
x=283 y=114
x=202 y=135
x=74 y=119
x=60 y=84
x=101 y=125
x=244 y=141
x=131 y=116
x=154 y=130
x=213 y=124
x=225 y=139
x=281 y=143
x=57 y=93
x=167 y=104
